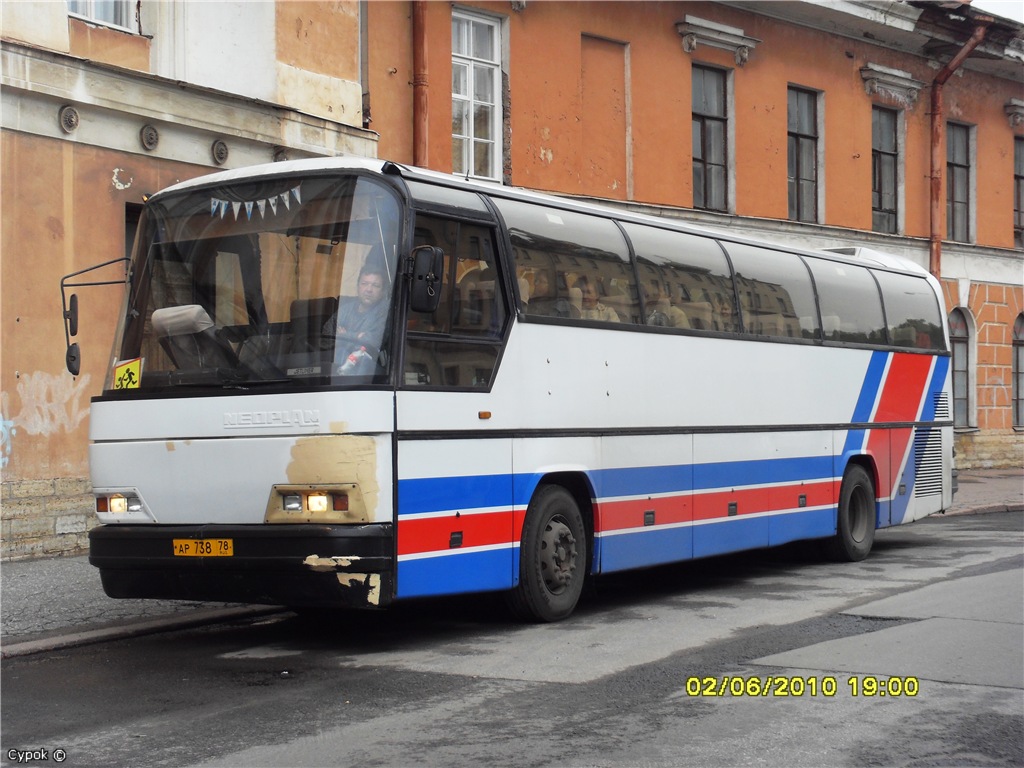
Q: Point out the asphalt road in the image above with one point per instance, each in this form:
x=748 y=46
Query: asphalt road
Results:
x=664 y=667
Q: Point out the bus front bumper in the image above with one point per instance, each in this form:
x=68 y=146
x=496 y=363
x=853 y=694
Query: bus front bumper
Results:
x=293 y=565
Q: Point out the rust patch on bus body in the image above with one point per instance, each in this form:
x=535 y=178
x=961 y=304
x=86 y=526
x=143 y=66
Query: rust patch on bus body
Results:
x=317 y=563
x=343 y=462
x=370 y=580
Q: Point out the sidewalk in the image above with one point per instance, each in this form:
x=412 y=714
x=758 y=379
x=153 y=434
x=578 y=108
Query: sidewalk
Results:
x=54 y=603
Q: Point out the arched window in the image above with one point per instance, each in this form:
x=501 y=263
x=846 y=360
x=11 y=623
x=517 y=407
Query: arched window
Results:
x=1018 y=371
x=959 y=334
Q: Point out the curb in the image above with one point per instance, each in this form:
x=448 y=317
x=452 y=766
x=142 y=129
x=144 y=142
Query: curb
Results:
x=198 y=618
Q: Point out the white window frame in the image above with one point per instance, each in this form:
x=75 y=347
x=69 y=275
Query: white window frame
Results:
x=473 y=67
x=88 y=11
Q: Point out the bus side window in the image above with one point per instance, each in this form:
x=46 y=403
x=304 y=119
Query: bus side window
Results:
x=686 y=279
x=457 y=346
x=576 y=265
x=775 y=293
x=851 y=307
x=912 y=311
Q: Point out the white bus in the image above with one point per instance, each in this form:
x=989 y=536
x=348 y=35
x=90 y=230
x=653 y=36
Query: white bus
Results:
x=348 y=382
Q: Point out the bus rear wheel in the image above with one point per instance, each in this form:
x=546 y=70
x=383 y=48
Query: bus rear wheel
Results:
x=552 y=557
x=855 y=526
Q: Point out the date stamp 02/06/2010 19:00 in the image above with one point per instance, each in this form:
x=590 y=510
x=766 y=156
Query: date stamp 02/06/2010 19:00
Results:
x=826 y=686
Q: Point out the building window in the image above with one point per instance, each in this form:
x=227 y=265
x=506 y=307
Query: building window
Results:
x=115 y=12
x=884 y=166
x=959 y=335
x=958 y=182
x=710 y=117
x=476 y=96
x=1018 y=192
x=1018 y=371
x=802 y=114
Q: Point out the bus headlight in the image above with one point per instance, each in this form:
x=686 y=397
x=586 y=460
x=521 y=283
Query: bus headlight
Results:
x=121 y=506
x=342 y=503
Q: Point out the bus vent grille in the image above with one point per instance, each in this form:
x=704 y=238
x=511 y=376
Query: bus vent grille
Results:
x=941 y=400
x=928 y=455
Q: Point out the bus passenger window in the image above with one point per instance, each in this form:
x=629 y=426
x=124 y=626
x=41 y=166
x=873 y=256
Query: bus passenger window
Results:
x=912 y=311
x=776 y=296
x=851 y=307
x=686 y=280
x=576 y=266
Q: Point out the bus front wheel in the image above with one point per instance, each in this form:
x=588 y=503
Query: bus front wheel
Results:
x=552 y=557
x=855 y=526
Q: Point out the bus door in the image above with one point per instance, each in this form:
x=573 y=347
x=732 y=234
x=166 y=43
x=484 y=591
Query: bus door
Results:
x=455 y=530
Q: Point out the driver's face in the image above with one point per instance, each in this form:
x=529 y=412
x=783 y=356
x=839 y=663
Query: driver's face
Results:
x=371 y=289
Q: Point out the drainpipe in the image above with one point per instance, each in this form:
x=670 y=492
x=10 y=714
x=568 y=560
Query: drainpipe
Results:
x=935 y=243
x=420 y=118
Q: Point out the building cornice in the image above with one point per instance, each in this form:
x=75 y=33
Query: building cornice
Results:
x=119 y=109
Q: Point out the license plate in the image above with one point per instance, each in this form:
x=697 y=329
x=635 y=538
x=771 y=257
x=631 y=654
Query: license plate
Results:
x=204 y=547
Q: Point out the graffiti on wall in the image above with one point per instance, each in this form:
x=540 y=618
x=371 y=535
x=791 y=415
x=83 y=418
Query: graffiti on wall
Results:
x=49 y=404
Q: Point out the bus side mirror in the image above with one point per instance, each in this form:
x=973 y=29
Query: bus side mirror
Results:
x=73 y=359
x=71 y=314
x=427 y=272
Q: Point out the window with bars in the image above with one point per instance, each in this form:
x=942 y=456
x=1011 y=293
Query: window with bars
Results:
x=476 y=96
x=959 y=334
x=115 y=12
x=958 y=182
x=710 y=156
x=1018 y=192
x=884 y=165
x=802 y=151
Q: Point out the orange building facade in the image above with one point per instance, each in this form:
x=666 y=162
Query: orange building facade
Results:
x=794 y=122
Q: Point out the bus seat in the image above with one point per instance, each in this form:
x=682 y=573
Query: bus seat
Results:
x=308 y=318
x=189 y=337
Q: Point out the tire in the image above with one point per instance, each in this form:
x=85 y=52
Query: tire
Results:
x=855 y=523
x=552 y=557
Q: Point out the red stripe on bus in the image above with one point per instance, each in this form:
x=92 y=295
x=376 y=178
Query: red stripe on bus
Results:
x=624 y=515
x=434 y=534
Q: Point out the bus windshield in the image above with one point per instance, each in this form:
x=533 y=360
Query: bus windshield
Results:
x=274 y=281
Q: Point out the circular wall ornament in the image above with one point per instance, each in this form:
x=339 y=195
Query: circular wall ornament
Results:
x=69 y=118
x=149 y=136
x=219 y=150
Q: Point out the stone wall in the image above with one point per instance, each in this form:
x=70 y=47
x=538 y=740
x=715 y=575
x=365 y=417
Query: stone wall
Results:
x=989 y=449
x=46 y=517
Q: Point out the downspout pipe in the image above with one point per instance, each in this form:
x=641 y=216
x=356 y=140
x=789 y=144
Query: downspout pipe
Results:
x=420 y=116
x=938 y=119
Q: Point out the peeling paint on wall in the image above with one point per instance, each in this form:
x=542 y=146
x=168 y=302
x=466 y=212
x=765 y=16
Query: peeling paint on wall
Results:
x=49 y=404
x=116 y=180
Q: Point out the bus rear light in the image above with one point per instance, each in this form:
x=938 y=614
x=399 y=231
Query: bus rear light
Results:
x=102 y=504
x=340 y=502
x=316 y=502
x=292 y=503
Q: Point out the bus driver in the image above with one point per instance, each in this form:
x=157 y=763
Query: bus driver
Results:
x=360 y=321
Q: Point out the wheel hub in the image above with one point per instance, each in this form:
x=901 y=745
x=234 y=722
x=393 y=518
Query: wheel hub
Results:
x=558 y=555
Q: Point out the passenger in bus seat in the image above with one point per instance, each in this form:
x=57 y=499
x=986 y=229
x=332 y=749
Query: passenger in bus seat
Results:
x=591 y=307
x=543 y=299
x=660 y=311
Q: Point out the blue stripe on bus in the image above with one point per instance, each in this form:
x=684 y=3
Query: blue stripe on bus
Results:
x=441 y=494
x=865 y=402
x=455 y=573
